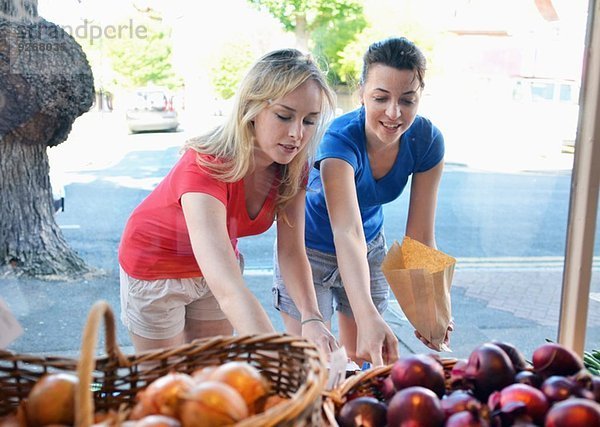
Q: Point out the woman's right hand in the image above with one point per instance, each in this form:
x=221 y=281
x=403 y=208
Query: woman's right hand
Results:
x=376 y=342
x=317 y=332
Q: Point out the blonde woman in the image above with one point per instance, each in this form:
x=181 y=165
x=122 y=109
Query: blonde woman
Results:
x=180 y=267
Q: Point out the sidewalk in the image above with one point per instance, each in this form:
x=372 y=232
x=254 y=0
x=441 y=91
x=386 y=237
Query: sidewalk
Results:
x=514 y=302
x=485 y=307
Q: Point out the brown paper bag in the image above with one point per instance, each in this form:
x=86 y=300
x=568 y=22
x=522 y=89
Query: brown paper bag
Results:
x=420 y=278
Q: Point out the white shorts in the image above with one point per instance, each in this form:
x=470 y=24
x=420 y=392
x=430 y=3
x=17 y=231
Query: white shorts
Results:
x=157 y=309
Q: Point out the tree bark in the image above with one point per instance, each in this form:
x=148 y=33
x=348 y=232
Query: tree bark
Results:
x=301 y=33
x=32 y=242
x=45 y=84
x=18 y=8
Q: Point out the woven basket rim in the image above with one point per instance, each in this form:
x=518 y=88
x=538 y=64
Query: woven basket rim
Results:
x=334 y=399
x=303 y=401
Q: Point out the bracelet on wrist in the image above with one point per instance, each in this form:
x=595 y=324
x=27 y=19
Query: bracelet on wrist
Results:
x=312 y=319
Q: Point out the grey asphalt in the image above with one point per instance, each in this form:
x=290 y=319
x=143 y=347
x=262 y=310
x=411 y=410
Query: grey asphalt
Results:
x=515 y=300
x=53 y=313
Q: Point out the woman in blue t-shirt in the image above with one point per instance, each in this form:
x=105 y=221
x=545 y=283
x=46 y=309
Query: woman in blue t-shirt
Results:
x=363 y=162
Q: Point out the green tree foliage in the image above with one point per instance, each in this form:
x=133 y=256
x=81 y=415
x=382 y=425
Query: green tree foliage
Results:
x=324 y=27
x=330 y=42
x=234 y=60
x=96 y=53
x=144 y=59
x=134 y=60
x=389 y=18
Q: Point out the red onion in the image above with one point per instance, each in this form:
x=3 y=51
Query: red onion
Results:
x=529 y=378
x=457 y=401
x=488 y=369
x=588 y=385
x=418 y=370
x=574 y=412
x=557 y=388
x=514 y=354
x=555 y=359
x=364 y=411
x=467 y=418
x=415 y=406
x=457 y=375
x=522 y=399
x=595 y=388
x=385 y=389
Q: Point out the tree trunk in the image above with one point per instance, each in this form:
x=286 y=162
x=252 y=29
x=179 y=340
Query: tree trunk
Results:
x=18 y=9
x=42 y=90
x=32 y=242
x=301 y=33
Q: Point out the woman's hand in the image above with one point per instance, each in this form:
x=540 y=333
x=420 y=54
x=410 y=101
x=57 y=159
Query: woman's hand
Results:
x=376 y=342
x=318 y=332
x=446 y=338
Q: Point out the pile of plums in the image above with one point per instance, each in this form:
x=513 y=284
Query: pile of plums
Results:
x=495 y=387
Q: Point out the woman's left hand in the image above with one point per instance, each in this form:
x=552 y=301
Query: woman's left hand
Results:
x=446 y=338
x=318 y=333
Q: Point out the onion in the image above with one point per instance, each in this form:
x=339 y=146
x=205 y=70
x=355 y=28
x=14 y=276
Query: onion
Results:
x=267 y=402
x=574 y=412
x=52 y=400
x=202 y=374
x=521 y=399
x=385 y=388
x=457 y=375
x=106 y=418
x=595 y=388
x=457 y=401
x=514 y=354
x=158 y=421
x=161 y=396
x=557 y=388
x=10 y=420
x=245 y=378
x=365 y=411
x=418 y=370
x=415 y=406
x=529 y=378
x=212 y=404
x=588 y=385
x=488 y=369
x=555 y=359
x=467 y=418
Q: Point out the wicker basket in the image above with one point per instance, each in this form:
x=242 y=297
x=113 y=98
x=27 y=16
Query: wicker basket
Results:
x=364 y=384
x=294 y=366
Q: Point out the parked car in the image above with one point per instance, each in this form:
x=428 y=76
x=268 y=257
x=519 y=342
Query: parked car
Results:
x=555 y=101
x=151 y=109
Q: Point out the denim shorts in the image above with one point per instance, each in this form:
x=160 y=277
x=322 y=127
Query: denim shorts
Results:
x=328 y=282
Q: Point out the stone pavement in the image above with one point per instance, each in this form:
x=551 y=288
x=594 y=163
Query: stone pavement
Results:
x=533 y=295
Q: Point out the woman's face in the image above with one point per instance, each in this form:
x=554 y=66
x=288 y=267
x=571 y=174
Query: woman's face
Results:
x=391 y=99
x=284 y=127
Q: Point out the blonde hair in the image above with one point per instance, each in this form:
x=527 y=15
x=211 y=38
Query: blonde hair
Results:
x=273 y=76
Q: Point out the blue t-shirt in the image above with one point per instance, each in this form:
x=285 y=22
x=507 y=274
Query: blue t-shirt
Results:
x=421 y=148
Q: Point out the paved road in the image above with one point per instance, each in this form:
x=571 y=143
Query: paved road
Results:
x=506 y=230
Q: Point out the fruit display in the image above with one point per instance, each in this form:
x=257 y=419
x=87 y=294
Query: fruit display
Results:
x=496 y=386
x=52 y=400
x=255 y=380
x=211 y=396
